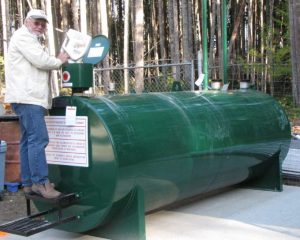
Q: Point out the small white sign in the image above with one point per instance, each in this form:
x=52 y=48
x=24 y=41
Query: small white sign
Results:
x=95 y=52
x=70 y=84
x=68 y=145
x=71 y=115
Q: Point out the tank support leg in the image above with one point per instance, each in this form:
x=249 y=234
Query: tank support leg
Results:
x=127 y=218
x=269 y=175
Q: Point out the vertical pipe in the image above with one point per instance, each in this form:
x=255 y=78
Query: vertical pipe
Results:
x=224 y=39
x=204 y=43
x=126 y=46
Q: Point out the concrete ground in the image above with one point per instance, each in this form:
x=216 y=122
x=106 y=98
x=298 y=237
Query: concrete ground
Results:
x=291 y=164
x=236 y=214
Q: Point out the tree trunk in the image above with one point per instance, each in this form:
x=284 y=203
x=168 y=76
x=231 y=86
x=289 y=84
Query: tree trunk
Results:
x=161 y=27
x=162 y=40
x=104 y=31
x=197 y=29
x=237 y=23
x=50 y=32
x=94 y=8
x=153 y=38
x=34 y=4
x=269 y=57
x=65 y=10
x=75 y=15
x=186 y=39
x=83 y=17
x=190 y=28
x=175 y=33
x=219 y=40
x=185 y=31
x=20 y=11
x=139 y=46
x=4 y=6
x=250 y=40
x=294 y=13
x=255 y=46
x=262 y=46
x=174 y=38
x=212 y=53
x=52 y=51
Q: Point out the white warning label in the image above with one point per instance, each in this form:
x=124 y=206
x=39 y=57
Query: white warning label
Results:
x=68 y=145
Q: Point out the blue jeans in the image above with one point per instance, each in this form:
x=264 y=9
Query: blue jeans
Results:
x=34 y=139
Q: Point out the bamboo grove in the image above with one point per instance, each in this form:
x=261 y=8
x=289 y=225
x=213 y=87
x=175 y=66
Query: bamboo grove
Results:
x=170 y=31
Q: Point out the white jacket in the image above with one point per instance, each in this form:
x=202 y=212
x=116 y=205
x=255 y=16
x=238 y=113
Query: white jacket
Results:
x=27 y=68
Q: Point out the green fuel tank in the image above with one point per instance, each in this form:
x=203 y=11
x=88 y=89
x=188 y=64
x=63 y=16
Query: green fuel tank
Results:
x=155 y=149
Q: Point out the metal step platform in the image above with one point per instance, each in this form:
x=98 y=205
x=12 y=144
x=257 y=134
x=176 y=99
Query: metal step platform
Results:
x=36 y=223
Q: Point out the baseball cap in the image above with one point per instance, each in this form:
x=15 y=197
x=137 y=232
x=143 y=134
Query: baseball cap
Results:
x=37 y=14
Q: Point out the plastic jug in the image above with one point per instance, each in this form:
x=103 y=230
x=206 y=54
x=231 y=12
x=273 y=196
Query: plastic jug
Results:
x=76 y=44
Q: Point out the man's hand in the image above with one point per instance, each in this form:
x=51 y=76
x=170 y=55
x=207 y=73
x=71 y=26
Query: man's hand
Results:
x=63 y=56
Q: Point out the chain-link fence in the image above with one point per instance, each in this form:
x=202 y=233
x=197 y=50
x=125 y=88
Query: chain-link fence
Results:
x=157 y=78
x=275 y=80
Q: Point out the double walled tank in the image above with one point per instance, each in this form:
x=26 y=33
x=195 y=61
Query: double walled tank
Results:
x=173 y=146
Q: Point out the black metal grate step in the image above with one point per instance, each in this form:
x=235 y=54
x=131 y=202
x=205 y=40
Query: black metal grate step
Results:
x=31 y=225
x=63 y=200
x=60 y=202
x=36 y=223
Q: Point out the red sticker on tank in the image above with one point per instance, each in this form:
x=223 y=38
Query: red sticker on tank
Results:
x=65 y=76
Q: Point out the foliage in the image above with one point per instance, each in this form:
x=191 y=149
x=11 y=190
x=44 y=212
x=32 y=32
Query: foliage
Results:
x=291 y=110
x=264 y=25
x=276 y=43
x=65 y=92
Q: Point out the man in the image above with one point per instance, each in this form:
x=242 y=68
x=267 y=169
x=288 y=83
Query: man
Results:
x=28 y=89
